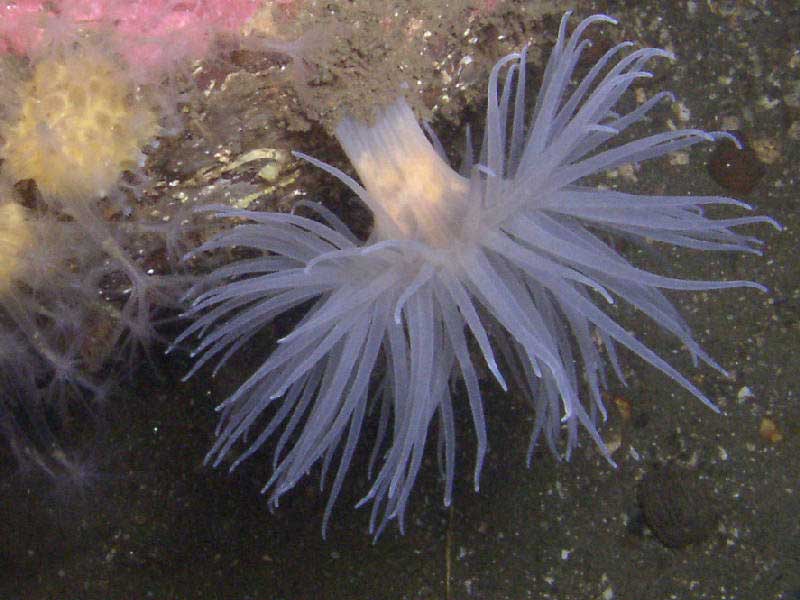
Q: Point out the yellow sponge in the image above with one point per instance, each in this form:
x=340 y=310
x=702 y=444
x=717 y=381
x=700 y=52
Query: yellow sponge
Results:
x=15 y=239
x=80 y=125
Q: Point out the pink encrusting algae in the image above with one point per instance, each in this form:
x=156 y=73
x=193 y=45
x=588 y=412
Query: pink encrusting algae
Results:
x=151 y=34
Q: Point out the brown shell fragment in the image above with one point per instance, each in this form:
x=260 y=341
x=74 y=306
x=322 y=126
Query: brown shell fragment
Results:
x=677 y=506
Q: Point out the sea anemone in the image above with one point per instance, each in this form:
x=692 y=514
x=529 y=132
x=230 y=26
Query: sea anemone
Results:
x=65 y=318
x=510 y=257
x=48 y=329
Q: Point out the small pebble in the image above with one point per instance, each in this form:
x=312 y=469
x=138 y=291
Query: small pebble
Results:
x=744 y=393
x=768 y=150
x=677 y=506
x=769 y=432
x=736 y=170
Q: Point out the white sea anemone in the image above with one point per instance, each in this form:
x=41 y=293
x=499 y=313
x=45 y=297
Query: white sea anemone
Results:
x=511 y=256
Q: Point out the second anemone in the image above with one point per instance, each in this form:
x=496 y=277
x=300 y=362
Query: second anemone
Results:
x=506 y=258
